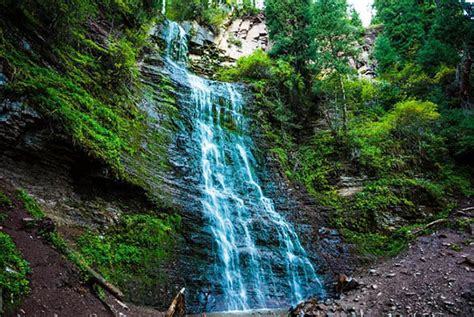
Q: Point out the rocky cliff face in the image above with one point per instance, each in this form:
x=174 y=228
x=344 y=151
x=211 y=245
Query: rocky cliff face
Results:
x=242 y=37
x=80 y=193
x=239 y=37
x=365 y=64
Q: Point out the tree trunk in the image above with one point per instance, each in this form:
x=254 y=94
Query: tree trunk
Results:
x=465 y=78
x=344 y=107
x=1 y=302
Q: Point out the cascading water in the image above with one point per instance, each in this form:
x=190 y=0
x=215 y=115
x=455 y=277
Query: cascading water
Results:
x=260 y=260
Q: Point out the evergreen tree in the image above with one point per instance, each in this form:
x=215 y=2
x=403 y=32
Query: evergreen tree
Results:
x=334 y=41
x=405 y=24
x=451 y=42
x=289 y=24
x=450 y=33
x=356 y=22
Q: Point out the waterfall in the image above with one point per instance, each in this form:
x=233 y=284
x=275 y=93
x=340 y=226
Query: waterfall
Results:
x=260 y=260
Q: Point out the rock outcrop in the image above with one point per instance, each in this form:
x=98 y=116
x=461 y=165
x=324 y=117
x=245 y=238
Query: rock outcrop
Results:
x=243 y=36
x=365 y=64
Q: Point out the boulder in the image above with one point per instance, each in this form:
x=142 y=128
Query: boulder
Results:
x=345 y=284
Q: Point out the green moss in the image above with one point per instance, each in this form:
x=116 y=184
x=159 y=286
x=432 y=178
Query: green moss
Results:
x=88 y=87
x=5 y=201
x=30 y=204
x=133 y=251
x=13 y=272
x=379 y=244
x=5 y=204
x=74 y=257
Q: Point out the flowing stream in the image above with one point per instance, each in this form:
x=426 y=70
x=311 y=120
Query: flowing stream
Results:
x=251 y=272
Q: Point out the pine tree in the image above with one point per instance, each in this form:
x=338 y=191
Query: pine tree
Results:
x=334 y=42
x=289 y=24
x=405 y=28
x=356 y=22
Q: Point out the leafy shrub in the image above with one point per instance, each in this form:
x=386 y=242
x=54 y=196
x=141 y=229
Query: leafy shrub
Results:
x=402 y=136
x=13 y=272
x=211 y=14
x=318 y=163
x=254 y=67
x=399 y=197
x=380 y=244
x=458 y=128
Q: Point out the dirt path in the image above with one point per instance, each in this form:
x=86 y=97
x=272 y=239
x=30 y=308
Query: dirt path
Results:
x=435 y=276
x=56 y=289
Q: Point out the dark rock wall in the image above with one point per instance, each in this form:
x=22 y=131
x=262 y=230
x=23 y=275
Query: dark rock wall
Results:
x=78 y=192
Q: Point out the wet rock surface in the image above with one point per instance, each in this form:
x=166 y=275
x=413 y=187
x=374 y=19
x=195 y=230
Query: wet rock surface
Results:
x=76 y=191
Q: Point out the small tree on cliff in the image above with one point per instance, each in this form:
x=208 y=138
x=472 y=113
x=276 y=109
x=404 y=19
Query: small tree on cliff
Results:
x=334 y=43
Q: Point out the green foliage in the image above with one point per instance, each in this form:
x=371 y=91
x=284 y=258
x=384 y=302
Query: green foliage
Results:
x=88 y=86
x=401 y=138
x=455 y=247
x=404 y=29
x=289 y=26
x=59 y=20
x=54 y=19
x=334 y=37
x=132 y=13
x=429 y=33
x=13 y=273
x=74 y=257
x=380 y=244
x=319 y=162
x=234 y=41
x=458 y=129
x=334 y=43
x=276 y=84
x=385 y=54
x=134 y=250
x=393 y=197
x=356 y=23
x=398 y=129
x=211 y=13
x=5 y=204
x=30 y=204
x=254 y=67
x=5 y=201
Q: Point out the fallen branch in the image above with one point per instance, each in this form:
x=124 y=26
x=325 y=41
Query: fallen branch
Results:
x=177 y=305
x=429 y=225
x=96 y=277
x=436 y=222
